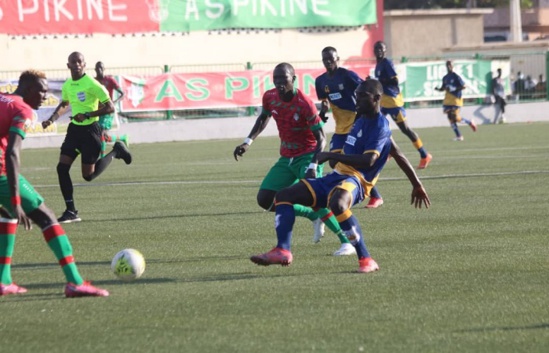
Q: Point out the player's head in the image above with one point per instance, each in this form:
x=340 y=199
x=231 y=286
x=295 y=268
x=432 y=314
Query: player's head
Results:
x=99 y=69
x=380 y=49
x=330 y=59
x=33 y=87
x=284 y=78
x=499 y=72
x=368 y=96
x=449 y=66
x=76 y=64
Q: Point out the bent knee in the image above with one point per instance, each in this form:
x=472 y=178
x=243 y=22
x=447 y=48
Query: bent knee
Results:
x=63 y=168
x=265 y=199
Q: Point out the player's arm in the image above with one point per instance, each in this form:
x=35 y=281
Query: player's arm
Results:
x=391 y=81
x=13 y=162
x=120 y=94
x=260 y=124
x=106 y=107
x=419 y=195
x=324 y=107
x=320 y=138
x=117 y=89
x=365 y=160
x=59 y=110
x=442 y=87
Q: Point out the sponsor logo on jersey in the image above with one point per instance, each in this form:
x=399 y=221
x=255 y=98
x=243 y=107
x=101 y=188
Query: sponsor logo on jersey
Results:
x=351 y=140
x=334 y=96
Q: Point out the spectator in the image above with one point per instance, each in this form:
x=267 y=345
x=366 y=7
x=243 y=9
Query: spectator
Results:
x=498 y=90
x=519 y=86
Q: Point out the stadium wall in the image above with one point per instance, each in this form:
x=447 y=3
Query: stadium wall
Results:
x=238 y=128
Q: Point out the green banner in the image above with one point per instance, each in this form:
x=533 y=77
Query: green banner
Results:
x=420 y=79
x=200 y=15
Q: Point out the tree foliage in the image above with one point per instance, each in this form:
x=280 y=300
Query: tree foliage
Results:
x=449 y=4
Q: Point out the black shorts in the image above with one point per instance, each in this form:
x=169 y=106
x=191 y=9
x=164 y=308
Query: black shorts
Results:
x=84 y=140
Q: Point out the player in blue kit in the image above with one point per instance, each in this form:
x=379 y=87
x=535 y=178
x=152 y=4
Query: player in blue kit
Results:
x=364 y=155
x=392 y=102
x=453 y=85
x=336 y=90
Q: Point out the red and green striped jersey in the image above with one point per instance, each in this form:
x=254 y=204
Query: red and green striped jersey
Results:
x=15 y=116
x=296 y=120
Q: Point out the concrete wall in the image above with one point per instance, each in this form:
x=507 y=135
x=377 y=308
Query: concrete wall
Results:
x=238 y=128
x=195 y=48
x=427 y=32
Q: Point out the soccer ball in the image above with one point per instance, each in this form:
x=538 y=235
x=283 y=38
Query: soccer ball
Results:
x=128 y=265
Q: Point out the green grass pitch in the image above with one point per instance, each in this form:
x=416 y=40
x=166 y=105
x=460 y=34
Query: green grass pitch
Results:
x=471 y=274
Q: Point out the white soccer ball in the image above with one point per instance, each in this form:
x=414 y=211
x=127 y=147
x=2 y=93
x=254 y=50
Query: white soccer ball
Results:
x=128 y=265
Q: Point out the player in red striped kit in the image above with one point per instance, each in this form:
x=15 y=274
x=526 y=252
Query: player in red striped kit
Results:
x=17 y=195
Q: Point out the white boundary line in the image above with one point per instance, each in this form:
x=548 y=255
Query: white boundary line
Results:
x=233 y=182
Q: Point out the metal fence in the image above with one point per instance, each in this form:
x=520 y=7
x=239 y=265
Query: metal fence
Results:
x=532 y=65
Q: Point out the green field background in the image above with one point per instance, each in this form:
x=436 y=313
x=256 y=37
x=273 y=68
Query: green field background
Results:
x=471 y=274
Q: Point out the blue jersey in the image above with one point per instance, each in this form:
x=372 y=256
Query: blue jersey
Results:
x=392 y=98
x=339 y=90
x=367 y=136
x=453 y=83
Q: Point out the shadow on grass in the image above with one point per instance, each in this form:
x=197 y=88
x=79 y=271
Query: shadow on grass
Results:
x=507 y=328
x=158 y=217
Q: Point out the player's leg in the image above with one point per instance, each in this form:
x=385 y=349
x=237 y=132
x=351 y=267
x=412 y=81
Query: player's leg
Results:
x=284 y=222
x=92 y=165
x=461 y=119
x=319 y=216
x=399 y=117
x=453 y=124
x=65 y=184
x=59 y=244
x=8 y=227
x=340 y=202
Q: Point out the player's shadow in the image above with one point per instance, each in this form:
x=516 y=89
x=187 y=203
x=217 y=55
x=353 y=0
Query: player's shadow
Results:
x=156 y=217
x=542 y=326
x=483 y=113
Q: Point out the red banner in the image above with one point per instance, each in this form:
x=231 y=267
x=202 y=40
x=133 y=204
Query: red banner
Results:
x=172 y=91
x=22 y=17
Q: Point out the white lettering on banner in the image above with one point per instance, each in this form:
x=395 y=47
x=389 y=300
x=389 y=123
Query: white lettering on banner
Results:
x=278 y=8
x=56 y=10
x=214 y=14
x=112 y=7
x=190 y=9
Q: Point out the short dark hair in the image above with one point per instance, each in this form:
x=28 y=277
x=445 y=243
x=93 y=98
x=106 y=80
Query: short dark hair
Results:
x=329 y=49
x=30 y=77
x=286 y=65
x=371 y=85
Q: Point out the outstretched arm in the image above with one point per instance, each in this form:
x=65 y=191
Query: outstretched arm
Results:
x=419 y=195
x=259 y=126
x=59 y=110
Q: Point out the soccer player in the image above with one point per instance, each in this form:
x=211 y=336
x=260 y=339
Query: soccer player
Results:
x=336 y=90
x=453 y=84
x=22 y=202
x=392 y=102
x=498 y=90
x=301 y=138
x=364 y=155
x=84 y=94
x=105 y=121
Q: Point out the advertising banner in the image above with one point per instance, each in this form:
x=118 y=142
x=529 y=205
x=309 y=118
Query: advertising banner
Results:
x=419 y=80
x=185 y=16
x=179 y=91
x=23 y=17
